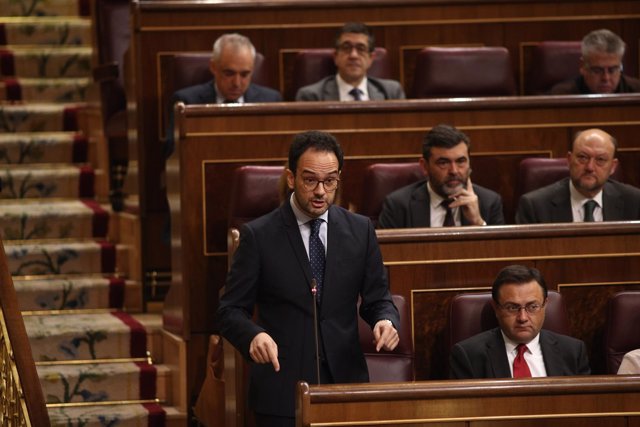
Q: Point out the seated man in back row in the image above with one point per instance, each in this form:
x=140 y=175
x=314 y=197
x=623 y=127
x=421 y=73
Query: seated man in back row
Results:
x=447 y=198
x=519 y=347
x=232 y=63
x=601 y=68
x=588 y=194
x=353 y=57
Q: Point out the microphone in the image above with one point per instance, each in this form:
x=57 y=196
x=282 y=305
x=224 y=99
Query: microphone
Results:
x=314 y=293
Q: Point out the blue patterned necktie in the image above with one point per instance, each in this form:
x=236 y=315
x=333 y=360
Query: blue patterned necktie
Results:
x=316 y=255
x=589 y=207
x=356 y=93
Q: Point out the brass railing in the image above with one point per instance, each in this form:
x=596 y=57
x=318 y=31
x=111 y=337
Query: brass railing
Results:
x=21 y=397
x=13 y=407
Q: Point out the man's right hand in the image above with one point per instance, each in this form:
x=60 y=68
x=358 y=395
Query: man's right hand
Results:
x=263 y=349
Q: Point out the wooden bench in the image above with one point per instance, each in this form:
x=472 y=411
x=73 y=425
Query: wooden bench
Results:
x=592 y=401
x=586 y=263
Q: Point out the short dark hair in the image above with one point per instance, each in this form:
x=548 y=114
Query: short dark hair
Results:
x=443 y=136
x=517 y=274
x=317 y=140
x=358 y=28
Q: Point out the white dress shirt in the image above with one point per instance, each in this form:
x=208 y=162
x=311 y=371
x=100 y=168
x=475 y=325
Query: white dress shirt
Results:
x=578 y=201
x=305 y=227
x=533 y=355
x=344 y=88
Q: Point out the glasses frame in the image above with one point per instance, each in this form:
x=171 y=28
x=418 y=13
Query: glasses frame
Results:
x=346 y=48
x=583 y=159
x=306 y=180
x=599 y=71
x=515 y=309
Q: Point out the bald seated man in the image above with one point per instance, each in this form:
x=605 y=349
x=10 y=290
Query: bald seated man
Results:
x=588 y=194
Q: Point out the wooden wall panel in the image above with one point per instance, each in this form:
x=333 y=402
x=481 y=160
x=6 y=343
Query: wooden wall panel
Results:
x=214 y=139
x=277 y=27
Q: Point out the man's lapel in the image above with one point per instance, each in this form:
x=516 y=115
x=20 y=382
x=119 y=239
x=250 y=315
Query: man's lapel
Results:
x=612 y=203
x=497 y=354
x=295 y=240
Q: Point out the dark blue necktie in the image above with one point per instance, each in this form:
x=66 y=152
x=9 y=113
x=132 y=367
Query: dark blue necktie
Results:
x=316 y=254
x=356 y=93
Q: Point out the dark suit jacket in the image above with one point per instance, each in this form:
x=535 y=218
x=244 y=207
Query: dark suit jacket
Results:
x=621 y=202
x=327 y=90
x=205 y=93
x=578 y=87
x=484 y=356
x=271 y=270
x=408 y=207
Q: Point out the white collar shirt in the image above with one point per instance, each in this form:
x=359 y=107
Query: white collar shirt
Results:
x=305 y=227
x=437 y=212
x=344 y=88
x=578 y=201
x=533 y=355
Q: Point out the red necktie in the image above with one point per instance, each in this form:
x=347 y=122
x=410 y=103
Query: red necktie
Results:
x=520 y=367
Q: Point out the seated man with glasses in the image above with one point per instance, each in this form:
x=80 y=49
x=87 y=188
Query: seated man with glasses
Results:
x=353 y=57
x=588 y=194
x=601 y=69
x=519 y=347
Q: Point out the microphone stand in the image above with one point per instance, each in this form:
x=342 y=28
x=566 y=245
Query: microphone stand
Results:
x=314 y=293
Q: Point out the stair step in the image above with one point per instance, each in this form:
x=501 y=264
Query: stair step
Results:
x=52 y=31
x=34 y=62
x=38 y=117
x=87 y=336
x=98 y=382
x=127 y=415
x=45 y=8
x=64 y=257
x=52 y=219
x=25 y=182
x=42 y=148
x=56 y=90
x=73 y=293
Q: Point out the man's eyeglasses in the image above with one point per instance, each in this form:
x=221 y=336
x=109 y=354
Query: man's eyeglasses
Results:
x=531 y=308
x=599 y=71
x=583 y=159
x=346 y=48
x=329 y=184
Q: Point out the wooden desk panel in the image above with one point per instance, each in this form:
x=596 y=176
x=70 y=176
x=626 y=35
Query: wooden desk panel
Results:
x=585 y=262
x=558 y=402
x=215 y=139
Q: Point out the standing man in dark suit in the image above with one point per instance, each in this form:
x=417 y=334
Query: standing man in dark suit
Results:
x=446 y=197
x=307 y=253
x=519 y=347
x=353 y=57
x=588 y=194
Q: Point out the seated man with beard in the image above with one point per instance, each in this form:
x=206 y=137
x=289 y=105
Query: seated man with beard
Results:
x=446 y=198
x=588 y=194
